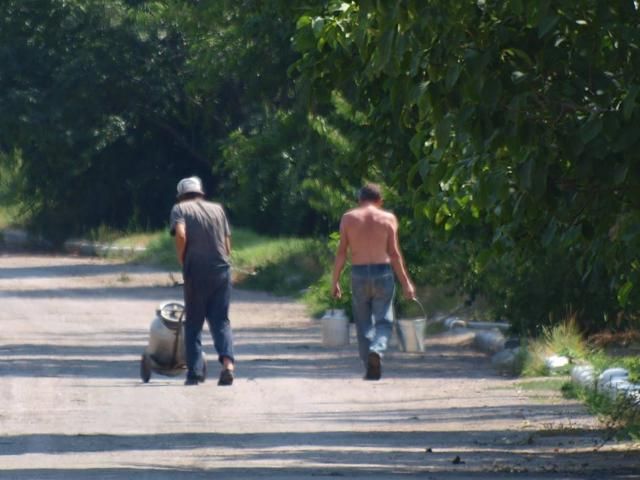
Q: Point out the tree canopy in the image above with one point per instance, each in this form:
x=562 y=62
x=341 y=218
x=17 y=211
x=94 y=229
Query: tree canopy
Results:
x=510 y=126
x=506 y=132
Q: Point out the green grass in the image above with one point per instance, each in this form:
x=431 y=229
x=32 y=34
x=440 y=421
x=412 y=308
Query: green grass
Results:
x=621 y=418
x=8 y=216
x=5 y=218
x=542 y=384
x=542 y=389
x=563 y=339
x=280 y=265
x=284 y=266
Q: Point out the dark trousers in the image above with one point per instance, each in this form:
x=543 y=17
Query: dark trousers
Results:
x=207 y=292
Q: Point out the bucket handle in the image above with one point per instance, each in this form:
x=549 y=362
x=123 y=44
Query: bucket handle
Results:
x=424 y=314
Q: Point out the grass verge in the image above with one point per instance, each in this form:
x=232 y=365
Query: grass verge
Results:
x=8 y=216
x=564 y=339
x=620 y=416
x=279 y=265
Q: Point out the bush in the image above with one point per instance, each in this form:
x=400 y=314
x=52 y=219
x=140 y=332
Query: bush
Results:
x=290 y=269
x=562 y=339
x=621 y=416
x=283 y=266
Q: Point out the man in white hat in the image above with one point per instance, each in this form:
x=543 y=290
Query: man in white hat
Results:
x=203 y=246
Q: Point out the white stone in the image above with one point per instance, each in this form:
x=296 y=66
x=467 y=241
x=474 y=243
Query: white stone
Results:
x=454 y=322
x=490 y=341
x=615 y=387
x=632 y=393
x=505 y=360
x=584 y=375
x=608 y=379
x=556 y=361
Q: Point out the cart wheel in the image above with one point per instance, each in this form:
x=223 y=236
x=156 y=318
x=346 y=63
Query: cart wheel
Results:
x=145 y=368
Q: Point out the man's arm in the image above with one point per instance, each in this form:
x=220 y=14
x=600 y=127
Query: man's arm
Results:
x=341 y=258
x=181 y=242
x=397 y=261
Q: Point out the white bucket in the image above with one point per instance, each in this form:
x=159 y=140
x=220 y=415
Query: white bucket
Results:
x=335 y=328
x=411 y=334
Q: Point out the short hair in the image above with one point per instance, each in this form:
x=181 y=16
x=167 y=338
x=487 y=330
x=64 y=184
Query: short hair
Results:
x=371 y=192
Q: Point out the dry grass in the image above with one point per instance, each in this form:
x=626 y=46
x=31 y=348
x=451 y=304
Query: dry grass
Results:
x=563 y=339
x=606 y=340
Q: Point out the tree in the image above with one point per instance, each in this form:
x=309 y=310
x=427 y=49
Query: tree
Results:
x=85 y=94
x=110 y=103
x=512 y=127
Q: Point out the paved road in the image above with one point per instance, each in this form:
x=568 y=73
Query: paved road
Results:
x=73 y=406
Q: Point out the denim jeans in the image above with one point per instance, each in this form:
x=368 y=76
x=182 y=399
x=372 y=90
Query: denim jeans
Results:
x=207 y=292
x=373 y=288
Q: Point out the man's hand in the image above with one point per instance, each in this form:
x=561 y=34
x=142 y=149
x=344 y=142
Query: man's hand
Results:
x=409 y=291
x=337 y=291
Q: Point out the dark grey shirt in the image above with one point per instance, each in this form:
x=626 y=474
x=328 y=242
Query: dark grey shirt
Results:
x=207 y=228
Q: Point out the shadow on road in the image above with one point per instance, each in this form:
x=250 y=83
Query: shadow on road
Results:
x=364 y=436
x=120 y=292
x=70 y=270
x=482 y=455
x=288 y=352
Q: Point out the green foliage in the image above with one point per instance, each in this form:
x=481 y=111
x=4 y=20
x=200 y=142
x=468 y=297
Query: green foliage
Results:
x=319 y=296
x=280 y=265
x=289 y=270
x=85 y=91
x=266 y=171
x=542 y=384
x=563 y=339
x=511 y=128
x=632 y=364
x=239 y=55
x=602 y=361
x=160 y=251
x=621 y=416
x=507 y=132
x=110 y=103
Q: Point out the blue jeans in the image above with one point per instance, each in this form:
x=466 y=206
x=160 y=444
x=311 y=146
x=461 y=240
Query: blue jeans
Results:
x=207 y=292
x=373 y=287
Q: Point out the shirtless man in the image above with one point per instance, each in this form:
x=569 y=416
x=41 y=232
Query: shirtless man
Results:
x=371 y=234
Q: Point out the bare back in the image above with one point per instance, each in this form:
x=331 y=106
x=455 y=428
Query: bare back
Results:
x=370 y=234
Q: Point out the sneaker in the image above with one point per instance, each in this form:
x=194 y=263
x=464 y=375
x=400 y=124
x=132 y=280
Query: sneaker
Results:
x=191 y=381
x=374 y=367
x=226 y=377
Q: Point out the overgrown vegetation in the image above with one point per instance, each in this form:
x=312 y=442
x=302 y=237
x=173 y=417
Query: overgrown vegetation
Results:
x=622 y=416
x=563 y=339
x=284 y=266
x=10 y=211
x=511 y=129
x=506 y=132
x=7 y=216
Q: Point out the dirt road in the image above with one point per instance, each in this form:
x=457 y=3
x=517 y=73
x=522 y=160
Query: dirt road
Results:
x=73 y=407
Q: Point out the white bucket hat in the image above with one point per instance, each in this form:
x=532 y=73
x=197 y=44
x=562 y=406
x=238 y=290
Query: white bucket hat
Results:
x=189 y=185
